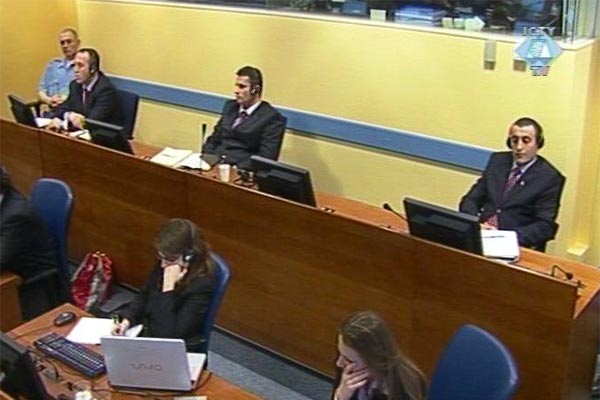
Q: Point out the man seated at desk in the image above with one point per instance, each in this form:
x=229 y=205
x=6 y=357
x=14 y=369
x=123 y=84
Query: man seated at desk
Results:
x=54 y=85
x=248 y=125
x=519 y=190
x=91 y=95
x=25 y=246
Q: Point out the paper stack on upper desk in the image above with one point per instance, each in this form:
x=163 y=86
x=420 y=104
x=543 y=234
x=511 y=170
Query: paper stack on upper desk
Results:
x=180 y=158
x=500 y=244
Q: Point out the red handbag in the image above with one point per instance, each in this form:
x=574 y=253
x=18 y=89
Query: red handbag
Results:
x=91 y=281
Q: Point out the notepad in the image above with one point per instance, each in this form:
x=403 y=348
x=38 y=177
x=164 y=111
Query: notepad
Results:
x=180 y=158
x=500 y=244
x=89 y=330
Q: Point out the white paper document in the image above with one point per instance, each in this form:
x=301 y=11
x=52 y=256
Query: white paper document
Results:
x=90 y=330
x=500 y=244
x=180 y=158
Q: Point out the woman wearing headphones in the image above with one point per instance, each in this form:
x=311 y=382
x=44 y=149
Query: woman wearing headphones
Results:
x=370 y=364
x=174 y=300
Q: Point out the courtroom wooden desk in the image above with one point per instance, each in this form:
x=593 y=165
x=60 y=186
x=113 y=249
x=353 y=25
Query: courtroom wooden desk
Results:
x=10 y=307
x=214 y=387
x=297 y=271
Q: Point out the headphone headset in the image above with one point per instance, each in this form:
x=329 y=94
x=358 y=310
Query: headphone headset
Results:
x=189 y=255
x=255 y=89
x=539 y=134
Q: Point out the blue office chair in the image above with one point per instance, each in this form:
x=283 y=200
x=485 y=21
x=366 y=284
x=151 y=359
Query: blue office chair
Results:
x=475 y=365
x=53 y=200
x=222 y=275
x=129 y=108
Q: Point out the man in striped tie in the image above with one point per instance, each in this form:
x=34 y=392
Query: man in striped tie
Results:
x=91 y=95
x=248 y=124
x=519 y=189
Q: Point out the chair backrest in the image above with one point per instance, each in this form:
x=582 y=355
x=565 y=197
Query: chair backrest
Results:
x=475 y=365
x=129 y=108
x=222 y=275
x=53 y=200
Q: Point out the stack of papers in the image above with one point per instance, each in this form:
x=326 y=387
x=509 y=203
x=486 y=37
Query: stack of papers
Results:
x=500 y=244
x=180 y=158
x=90 y=330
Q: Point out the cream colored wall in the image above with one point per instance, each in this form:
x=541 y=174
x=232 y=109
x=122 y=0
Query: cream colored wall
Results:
x=408 y=80
x=28 y=40
x=428 y=83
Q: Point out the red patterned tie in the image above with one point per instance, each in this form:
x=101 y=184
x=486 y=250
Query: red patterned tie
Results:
x=242 y=116
x=512 y=180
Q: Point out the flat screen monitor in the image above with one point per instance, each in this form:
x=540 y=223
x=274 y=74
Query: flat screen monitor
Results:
x=22 y=112
x=108 y=135
x=444 y=226
x=283 y=180
x=21 y=378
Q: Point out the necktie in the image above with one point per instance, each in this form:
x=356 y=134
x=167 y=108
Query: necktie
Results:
x=86 y=92
x=513 y=178
x=242 y=116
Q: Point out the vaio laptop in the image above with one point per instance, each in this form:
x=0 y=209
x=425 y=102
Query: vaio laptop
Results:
x=151 y=363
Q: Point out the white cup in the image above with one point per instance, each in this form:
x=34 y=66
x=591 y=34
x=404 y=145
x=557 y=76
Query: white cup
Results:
x=224 y=171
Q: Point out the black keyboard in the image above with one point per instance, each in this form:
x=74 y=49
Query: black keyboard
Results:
x=75 y=355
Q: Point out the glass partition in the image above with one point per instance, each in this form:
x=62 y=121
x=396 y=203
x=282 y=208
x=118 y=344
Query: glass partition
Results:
x=567 y=19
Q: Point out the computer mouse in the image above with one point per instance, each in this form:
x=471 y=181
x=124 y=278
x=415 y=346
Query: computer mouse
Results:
x=64 y=318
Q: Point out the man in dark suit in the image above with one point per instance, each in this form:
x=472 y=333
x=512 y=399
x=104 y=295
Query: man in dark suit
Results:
x=91 y=95
x=25 y=246
x=248 y=125
x=519 y=190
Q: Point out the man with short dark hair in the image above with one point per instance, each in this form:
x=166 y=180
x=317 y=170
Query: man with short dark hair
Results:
x=248 y=125
x=519 y=189
x=91 y=95
x=54 y=85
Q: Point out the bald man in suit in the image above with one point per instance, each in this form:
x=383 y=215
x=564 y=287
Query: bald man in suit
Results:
x=519 y=189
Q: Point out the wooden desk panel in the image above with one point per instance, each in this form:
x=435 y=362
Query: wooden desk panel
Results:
x=10 y=306
x=215 y=388
x=120 y=202
x=20 y=153
x=298 y=271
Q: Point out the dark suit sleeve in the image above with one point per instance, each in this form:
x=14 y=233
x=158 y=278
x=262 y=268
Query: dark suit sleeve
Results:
x=473 y=201
x=543 y=227
x=170 y=321
x=272 y=137
x=70 y=104
x=13 y=233
x=214 y=140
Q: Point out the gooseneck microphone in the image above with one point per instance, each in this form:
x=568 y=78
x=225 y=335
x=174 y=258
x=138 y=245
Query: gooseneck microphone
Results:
x=386 y=206
x=202 y=136
x=568 y=275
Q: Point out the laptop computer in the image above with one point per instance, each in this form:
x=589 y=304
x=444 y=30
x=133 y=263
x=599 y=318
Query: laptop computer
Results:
x=151 y=363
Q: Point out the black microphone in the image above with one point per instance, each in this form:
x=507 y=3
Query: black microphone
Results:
x=202 y=136
x=568 y=275
x=386 y=206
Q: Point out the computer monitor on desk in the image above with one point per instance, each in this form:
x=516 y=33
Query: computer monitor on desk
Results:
x=283 y=180
x=444 y=226
x=22 y=112
x=108 y=135
x=20 y=376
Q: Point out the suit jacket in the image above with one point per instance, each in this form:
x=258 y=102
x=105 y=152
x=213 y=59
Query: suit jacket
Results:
x=529 y=208
x=25 y=245
x=102 y=103
x=177 y=314
x=260 y=134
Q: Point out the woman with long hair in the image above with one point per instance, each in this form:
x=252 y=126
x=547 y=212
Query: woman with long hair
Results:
x=371 y=366
x=174 y=300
